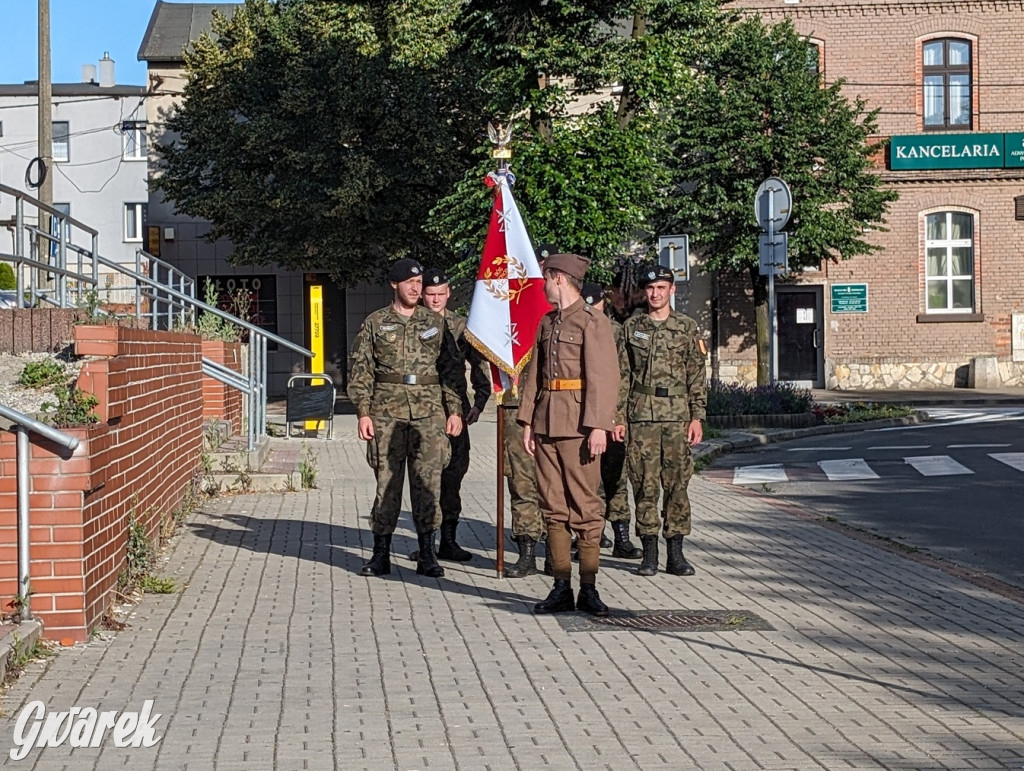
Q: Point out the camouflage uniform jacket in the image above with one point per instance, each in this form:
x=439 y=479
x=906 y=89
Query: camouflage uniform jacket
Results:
x=390 y=344
x=479 y=374
x=665 y=356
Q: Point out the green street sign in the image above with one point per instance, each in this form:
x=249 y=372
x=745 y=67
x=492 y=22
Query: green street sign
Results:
x=1014 y=158
x=849 y=298
x=946 y=151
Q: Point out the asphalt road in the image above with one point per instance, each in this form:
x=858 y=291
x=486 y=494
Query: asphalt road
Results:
x=953 y=487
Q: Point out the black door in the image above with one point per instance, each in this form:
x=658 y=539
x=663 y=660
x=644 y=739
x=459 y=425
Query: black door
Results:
x=800 y=335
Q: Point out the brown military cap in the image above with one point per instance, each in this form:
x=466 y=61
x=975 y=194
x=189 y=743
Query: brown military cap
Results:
x=573 y=264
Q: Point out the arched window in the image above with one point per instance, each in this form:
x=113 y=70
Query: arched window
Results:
x=946 y=66
x=949 y=262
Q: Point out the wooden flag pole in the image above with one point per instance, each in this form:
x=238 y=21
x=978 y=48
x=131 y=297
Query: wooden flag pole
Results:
x=500 y=564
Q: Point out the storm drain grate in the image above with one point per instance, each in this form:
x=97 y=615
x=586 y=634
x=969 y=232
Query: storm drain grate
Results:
x=668 y=621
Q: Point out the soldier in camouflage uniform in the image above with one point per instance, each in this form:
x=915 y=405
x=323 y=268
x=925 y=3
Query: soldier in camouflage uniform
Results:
x=663 y=397
x=521 y=474
x=436 y=293
x=613 y=479
x=405 y=383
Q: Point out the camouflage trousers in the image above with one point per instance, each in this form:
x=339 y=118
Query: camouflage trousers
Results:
x=521 y=476
x=613 y=483
x=659 y=461
x=452 y=476
x=422 y=446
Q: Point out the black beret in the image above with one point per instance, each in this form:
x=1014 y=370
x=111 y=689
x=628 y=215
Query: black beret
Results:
x=543 y=251
x=404 y=269
x=434 y=277
x=592 y=293
x=656 y=273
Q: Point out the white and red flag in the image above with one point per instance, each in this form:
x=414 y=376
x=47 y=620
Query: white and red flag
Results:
x=508 y=300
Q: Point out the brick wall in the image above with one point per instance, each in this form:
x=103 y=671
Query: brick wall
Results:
x=37 y=329
x=139 y=461
x=222 y=402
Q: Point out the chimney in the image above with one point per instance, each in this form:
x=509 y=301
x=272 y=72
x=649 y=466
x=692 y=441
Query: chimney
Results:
x=88 y=73
x=106 y=70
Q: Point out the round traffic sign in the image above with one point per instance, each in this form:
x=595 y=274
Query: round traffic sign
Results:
x=780 y=204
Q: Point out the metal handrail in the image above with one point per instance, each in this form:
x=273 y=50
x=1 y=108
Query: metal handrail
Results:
x=22 y=425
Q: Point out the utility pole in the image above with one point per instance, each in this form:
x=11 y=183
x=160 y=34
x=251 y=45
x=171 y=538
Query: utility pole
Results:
x=45 y=131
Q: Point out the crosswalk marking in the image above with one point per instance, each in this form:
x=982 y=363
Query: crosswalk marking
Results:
x=746 y=475
x=847 y=469
x=1011 y=459
x=937 y=465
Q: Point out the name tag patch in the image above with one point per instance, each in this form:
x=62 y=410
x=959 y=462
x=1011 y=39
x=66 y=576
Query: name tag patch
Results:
x=641 y=335
x=432 y=332
x=388 y=327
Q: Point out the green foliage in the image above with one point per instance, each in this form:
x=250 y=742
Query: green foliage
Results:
x=139 y=555
x=90 y=303
x=739 y=399
x=857 y=412
x=153 y=585
x=318 y=135
x=211 y=326
x=42 y=374
x=74 y=407
x=7 y=278
x=308 y=468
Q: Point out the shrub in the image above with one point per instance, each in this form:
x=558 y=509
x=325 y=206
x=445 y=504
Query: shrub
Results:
x=42 y=374
x=7 y=279
x=739 y=399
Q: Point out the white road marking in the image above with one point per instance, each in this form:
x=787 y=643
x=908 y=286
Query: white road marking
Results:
x=1011 y=459
x=900 y=447
x=752 y=475
x=963 y=446
x=847 y=469
x=816 y=449
x=937 y=465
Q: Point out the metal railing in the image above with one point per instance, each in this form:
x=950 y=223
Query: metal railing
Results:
x=66 y=273
x=22 y=424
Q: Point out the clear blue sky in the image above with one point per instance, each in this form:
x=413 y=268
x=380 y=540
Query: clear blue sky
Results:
x=80 y=31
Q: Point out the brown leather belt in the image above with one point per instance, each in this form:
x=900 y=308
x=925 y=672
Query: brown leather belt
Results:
x=660 y=390
x=565 y=385
x=408 y=379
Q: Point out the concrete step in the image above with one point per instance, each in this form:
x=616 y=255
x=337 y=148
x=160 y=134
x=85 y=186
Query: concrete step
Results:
x=233 y=455
x=278 y=472
x=215 y=433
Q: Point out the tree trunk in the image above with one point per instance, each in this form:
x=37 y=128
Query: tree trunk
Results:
x=762 y=322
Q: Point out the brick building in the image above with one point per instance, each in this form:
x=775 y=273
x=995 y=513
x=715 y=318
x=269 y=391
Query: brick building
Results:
x=943 y=303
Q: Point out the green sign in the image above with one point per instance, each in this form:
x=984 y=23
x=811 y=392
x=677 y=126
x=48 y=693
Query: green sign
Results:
x=1014 y=156
x=946 y=151
x=849 y=298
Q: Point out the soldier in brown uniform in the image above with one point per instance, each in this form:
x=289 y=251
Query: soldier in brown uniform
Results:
x=663 y=398
x=613 y=476
x=405 y=383
x=436 y=293
x=569 y=391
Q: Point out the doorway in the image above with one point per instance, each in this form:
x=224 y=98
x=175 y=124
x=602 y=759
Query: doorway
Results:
x=800 y=348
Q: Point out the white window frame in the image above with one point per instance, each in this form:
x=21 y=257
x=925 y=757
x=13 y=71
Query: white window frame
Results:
x=134 y=144
x=67 y=143
x=949 y=277
x=139 y=210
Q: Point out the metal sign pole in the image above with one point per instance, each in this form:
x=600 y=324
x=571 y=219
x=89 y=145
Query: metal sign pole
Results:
x=771 y=287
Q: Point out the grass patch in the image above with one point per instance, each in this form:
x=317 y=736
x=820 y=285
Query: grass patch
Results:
x=857 y=412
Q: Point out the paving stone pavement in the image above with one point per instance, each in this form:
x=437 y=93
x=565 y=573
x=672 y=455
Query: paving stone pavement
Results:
x=277 y=654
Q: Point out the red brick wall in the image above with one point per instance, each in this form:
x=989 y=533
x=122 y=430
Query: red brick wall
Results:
x=138 y=462
x=222 y=402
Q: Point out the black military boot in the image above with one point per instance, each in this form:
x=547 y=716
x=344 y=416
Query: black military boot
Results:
x=589 y=601
x=380 y=562
x=560 y=600
x=676 y=563
x=426 y=564
x=527 y=564
x=624 y=548
x=606 y=542
x=449 y=550
x=574 y=548
x=649 y=567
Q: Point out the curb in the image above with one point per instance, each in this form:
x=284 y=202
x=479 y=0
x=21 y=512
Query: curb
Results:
x=714 y=448
x=18 y=640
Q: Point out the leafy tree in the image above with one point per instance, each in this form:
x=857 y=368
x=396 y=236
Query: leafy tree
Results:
x=589 y=176
x=759 y=109
x=319 y=134
x=7 y=278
